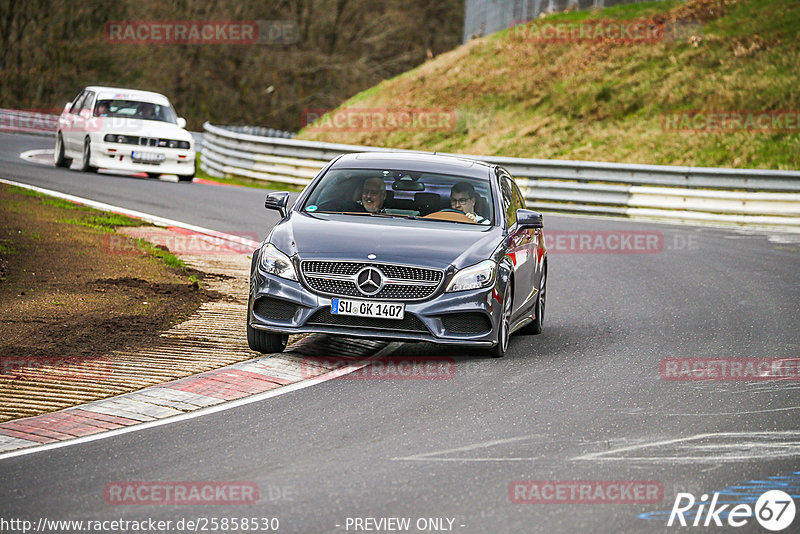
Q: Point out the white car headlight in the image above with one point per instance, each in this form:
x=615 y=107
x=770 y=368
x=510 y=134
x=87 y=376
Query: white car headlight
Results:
x=473 y=277
x=273 y=261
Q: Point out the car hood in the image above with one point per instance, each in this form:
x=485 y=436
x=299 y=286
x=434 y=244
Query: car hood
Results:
x=348 y=237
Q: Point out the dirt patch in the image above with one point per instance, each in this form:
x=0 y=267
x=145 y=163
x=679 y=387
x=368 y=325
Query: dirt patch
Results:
x=65 y=294
x=700 y=10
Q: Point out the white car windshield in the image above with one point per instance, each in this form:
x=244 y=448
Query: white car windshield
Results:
x=132 y=109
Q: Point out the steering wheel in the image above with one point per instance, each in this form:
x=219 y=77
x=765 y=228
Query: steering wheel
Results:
x=449 y=214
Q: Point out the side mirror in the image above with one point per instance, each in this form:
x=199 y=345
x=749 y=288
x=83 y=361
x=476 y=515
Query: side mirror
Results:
x=181 y=122
x=277 y=201
x=67 y=107
x=529 y=219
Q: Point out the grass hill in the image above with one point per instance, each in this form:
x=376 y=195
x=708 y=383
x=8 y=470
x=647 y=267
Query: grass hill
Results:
x=605 y=100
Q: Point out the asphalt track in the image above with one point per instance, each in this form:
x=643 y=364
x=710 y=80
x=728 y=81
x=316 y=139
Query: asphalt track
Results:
x=583 y=401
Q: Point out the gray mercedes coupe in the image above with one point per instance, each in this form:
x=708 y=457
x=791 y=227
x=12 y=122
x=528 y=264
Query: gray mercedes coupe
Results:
x=403 y=247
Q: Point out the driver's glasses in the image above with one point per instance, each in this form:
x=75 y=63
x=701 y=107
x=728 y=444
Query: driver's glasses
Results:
x=372 y=192
x=455 y=201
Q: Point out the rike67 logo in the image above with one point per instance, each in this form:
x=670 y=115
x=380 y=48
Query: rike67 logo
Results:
x=774 y=510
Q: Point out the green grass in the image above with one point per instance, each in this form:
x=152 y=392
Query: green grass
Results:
x=604 y=101
x=48 y=200
x=104 y=221
x=97 y=220
x=164 y=255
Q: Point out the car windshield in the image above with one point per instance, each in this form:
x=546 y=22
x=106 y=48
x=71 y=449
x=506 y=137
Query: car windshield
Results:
x=403 y=194
x=133 y=109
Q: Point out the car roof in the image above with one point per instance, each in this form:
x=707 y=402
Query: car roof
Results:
x=415 y=161
x=111 y=93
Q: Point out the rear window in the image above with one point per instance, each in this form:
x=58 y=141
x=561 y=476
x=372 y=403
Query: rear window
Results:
x=399 y=193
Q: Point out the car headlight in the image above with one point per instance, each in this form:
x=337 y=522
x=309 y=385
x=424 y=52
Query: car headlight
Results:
x=473 y=277
x=273 y=261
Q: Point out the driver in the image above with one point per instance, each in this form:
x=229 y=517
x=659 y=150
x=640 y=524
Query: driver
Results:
x=373 y=195
x=149 y=112
x=463 y=198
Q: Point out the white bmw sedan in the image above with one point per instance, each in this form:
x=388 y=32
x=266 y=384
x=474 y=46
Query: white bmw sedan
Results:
x=126 y=130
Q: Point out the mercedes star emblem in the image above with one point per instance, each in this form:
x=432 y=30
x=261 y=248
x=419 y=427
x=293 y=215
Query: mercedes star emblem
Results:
x=369 y=280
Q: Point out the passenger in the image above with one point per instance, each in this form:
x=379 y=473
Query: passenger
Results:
x=149 y=112
x=373 y=195
x=463 y=198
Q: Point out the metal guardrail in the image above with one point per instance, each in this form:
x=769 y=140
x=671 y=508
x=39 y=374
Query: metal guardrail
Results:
x=260 y=131
x=30 y=122
x=755 y=197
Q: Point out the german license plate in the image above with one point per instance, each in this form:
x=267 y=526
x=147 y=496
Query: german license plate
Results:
x=361 y=308
x=150 y=157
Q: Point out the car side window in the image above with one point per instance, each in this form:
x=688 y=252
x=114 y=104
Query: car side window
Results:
x=76 y=104
x=518 y=194
x=87 y=102
x=510 y=198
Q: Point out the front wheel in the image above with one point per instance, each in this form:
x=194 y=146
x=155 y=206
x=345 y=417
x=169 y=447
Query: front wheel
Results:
x=86 y=160
x=265 y=342
x=188 y=177
x=504 y=332
x=59 y=159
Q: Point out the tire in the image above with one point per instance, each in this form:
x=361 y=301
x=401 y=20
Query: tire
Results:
x=188 y=177
x=265 y=342
x=86 y=157
x=59 y=159
x=503 y=335
x=535 y=328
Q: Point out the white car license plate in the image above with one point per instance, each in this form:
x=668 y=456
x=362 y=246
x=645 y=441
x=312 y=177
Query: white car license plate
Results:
x=152 y=157
x=360 y=308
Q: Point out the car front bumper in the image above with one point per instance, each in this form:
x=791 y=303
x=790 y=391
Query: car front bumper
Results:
x=462 y=318
x=118 y=156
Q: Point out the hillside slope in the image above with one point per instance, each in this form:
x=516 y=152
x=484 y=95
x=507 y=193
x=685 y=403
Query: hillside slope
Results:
x=604 y=100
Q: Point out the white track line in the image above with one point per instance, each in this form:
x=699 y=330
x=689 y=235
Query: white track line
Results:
x=202 y=411
x=28 y=155
x=336 y=373
x=155 y=219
